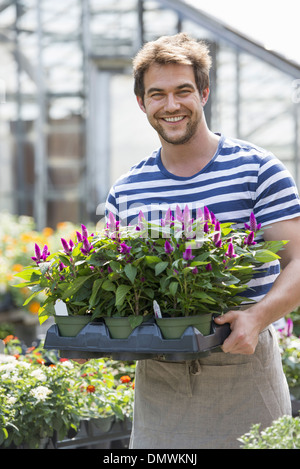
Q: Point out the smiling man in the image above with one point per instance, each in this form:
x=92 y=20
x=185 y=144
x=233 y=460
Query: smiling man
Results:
x=210 y=402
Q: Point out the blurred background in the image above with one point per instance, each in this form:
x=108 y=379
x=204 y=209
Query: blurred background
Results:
x=69 y=121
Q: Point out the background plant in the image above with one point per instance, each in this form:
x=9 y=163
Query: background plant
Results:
x=42 y=395
x=284 y=433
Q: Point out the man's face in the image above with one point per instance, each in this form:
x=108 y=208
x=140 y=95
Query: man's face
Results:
x=172 y=102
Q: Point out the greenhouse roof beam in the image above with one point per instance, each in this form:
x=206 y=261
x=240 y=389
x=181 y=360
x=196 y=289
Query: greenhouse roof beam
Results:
x=233 y=37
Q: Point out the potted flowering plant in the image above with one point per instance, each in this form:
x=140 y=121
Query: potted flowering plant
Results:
x=98 y=275
x=202 y=267
x=190 y=267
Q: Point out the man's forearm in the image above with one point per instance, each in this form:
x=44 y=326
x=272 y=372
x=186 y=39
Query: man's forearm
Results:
x=282 y=299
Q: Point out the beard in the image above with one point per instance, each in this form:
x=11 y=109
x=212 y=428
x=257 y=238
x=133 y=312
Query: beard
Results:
x=185 y=137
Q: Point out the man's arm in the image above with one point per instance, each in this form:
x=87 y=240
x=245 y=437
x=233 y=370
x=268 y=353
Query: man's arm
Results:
x=283 y=298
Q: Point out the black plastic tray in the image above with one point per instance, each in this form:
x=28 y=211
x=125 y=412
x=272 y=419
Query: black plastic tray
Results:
x=146 y=341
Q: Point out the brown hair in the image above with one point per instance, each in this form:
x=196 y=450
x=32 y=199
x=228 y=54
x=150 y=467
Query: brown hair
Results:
x=177 y=49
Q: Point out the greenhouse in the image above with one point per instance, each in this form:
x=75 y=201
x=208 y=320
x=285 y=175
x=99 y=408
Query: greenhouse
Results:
x=70 y=126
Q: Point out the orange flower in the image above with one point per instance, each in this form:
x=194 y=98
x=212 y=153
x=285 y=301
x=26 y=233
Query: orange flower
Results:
x=34 y=307
x=8 y=338
x=17 y=267
x=30 y=349
x=125 y=379
x=48 y=231
x=91 y=388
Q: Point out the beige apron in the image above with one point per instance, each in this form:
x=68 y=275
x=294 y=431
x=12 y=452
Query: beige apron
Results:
x=210 y=402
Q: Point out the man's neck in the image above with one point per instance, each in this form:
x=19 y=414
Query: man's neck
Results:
x=188 y=159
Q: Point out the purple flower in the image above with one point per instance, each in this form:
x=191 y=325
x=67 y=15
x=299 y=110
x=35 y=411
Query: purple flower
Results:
x=68 y=247
x=187 y=255
x=208 y=267
x=168 y=247
x=87 y=247
x=79 y=236
x=253 y=225
x=207 y=214
x=217 y=235
x=195 y=270
x=206 y=228
x=199 y=215
x=179 y=215
x=40 y=256
x=230 y=251
x=84 y=231
x=249 y=240
x=124 y=249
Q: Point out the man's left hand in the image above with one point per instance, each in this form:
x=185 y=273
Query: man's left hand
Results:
x=244 y=334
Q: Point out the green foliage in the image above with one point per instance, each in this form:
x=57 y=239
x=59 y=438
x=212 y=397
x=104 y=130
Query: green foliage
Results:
x=37 y=400
x=188 y=266
x=284 y=433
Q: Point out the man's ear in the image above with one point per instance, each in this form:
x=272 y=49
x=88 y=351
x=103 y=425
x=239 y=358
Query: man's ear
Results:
x=204 y=96
x=141 y=103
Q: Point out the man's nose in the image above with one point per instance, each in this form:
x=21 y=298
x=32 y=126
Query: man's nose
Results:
x=171 y=104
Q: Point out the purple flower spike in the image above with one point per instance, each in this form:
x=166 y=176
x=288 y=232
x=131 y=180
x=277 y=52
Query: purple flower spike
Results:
x=206 y=228
x=87 y=247
x=65 y=246
x=45 y=253
x=124 y=249
x=207 y=214
x=230 y=251
x=79 y=236
x=37 y=251
x=253 y=225
x=187 y=255
x=40 y=256
x=249 y=240
x=217 y=235
x=111 y=224
x=208 y=267
x=168 y=247
x=84 y=231
x=179 y=216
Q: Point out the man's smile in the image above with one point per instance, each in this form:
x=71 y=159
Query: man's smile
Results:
x=173 y=119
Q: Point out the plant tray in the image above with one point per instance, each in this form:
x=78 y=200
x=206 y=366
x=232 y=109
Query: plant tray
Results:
x=146 y=341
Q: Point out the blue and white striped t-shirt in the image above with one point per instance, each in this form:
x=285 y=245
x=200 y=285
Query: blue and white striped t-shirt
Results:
x=241 y=178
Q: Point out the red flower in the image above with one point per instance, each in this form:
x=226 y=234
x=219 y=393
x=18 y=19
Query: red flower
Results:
x=91 y=388
x=125 y=379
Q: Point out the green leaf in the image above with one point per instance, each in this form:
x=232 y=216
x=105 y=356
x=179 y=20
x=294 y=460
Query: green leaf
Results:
x=131 y=272
x=121 y=293
x=76 y=284
x=31 y=274
x=264 y=255
x=135 y=321
x=108 y=286
x=95 y=291
x=173 y=288
x=152 y=259
x=160 y=267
